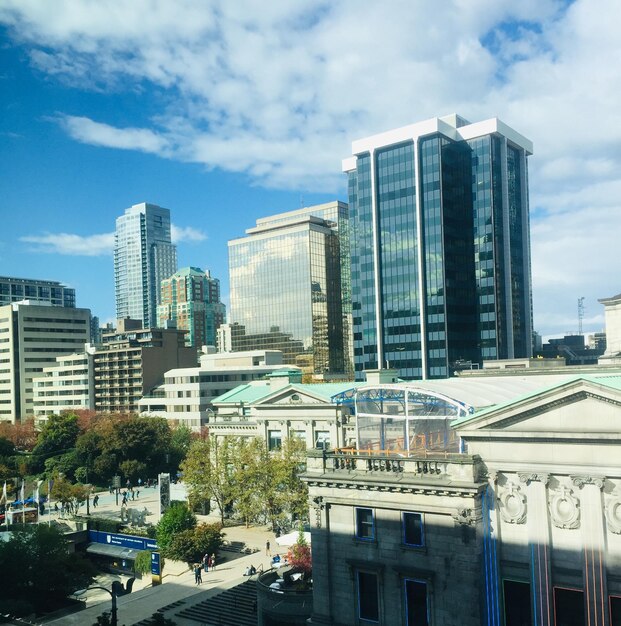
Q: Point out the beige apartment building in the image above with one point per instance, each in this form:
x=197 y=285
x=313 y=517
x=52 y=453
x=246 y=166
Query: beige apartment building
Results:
x=131 y=362
x=32 y=336
x=68 y=385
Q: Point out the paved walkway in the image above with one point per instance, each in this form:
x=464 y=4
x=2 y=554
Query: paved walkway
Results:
x=178 y=582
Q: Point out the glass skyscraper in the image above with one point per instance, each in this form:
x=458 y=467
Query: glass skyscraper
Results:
x=440 y=252
x=288 y=289
x=143 y=256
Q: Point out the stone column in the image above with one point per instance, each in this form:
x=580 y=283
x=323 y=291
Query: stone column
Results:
x=320 y=537
x=593 y=534
x=539 y=545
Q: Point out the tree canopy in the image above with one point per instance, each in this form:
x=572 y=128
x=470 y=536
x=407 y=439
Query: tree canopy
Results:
x=38 y=572
x=175 y=520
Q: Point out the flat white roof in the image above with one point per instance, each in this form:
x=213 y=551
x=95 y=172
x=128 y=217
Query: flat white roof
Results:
x=444 y=126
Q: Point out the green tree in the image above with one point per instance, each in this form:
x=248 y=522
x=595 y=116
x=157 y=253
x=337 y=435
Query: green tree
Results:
x=58 y=435
x=142 y=563
x=191 y=545
x=132 y=470
x=39 y=571
x=176 y=519
x=208 y=471
x=71 y=496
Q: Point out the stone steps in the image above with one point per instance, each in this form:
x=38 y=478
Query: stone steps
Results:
x=233 y=607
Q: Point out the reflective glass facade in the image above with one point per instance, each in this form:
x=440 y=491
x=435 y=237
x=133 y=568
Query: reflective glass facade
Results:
x=143 y=257
x=440 y=258
x=286 y=286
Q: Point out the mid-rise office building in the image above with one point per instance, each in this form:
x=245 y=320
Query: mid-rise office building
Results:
x=68 y=385
x=186 y=394
x=32 y=336
x=287 y=283
x=35 y=291
x=143 y=256
x=131 y=362
x=440 y=254
x=191 y=299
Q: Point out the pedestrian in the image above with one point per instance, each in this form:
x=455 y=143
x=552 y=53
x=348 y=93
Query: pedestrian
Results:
x=198 y=578
x=128 y=484
x=55 y=507
x=96 y=500
x=124 y=501
x=137 y=493
x=268 y=552
x=132 y=492
x=140 y=482
x=212 y=562
x=206 y=562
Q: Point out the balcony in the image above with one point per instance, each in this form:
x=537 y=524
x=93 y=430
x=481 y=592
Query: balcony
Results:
x=425 y=465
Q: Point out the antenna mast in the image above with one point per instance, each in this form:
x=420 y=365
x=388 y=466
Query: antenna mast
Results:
x=580 y=314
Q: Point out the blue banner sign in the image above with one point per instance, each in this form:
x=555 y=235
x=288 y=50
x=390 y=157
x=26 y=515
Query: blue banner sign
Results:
x=124 y=541
x=156 y=569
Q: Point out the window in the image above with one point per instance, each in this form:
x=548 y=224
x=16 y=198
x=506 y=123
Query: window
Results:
x=569 y=607
x=368 y=597
x=516 y=600
x=413 y=529
x=274 y=440
x=322 y=439
x=615 y=611
x=416 y=609
x=365 y=524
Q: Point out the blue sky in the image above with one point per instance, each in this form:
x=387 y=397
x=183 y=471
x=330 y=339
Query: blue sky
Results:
x=224 y=112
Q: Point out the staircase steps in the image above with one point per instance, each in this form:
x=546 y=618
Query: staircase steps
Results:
x=233 y=607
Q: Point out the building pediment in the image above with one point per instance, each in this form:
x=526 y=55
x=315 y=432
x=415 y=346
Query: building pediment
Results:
x=580 y=406
x=291 y=396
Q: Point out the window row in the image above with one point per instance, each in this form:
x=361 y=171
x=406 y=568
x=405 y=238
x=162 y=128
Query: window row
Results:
x=412 y=532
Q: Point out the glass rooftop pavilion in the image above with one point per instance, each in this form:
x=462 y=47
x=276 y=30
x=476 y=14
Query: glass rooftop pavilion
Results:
x=409 y=417
x=401 y=419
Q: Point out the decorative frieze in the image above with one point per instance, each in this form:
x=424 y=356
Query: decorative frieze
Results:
x=564 y=508
x=512 y=504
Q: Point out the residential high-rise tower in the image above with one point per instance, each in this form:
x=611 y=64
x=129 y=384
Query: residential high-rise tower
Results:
x=440 y=253
x=143 y=256
x=191 y=298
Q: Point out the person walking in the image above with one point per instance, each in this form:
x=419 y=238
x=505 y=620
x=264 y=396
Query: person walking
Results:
x=212 y=562
x=206 y=562
x=198 y=578
x=268 y=552
x=96 y=500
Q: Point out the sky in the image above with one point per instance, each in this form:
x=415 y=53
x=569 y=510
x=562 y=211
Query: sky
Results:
x=224 y=112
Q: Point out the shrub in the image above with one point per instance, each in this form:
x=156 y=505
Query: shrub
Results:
x=175 y=520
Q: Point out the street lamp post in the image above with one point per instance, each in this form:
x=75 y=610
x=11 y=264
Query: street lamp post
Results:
x=117 y=590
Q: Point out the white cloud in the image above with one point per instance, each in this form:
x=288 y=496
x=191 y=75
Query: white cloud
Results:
x=98 y=245
x=87 y=131
x=78 y=245
x=179 y=234
x=278 y=91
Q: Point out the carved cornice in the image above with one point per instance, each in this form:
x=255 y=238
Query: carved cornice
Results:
x=582 y=480
x=528 y=478
x=427 y=490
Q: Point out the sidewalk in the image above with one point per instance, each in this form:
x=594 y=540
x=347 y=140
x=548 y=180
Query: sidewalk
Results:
x=178 y=582
x=178 y=585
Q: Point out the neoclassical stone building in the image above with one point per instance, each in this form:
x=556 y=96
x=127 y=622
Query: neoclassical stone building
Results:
x=515 y=521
